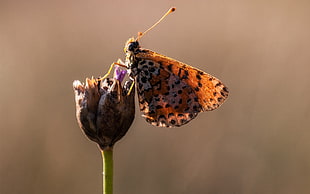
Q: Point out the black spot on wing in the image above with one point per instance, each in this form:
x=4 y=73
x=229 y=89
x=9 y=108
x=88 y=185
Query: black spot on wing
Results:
x=170 y=67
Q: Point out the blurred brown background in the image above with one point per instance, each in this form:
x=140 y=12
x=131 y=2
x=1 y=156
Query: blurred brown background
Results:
x=257 y=142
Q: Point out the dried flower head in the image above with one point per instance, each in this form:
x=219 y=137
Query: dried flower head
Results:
x=104 y=110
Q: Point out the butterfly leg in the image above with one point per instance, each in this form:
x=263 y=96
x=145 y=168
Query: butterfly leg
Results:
x=130 y=89
x=119 y=63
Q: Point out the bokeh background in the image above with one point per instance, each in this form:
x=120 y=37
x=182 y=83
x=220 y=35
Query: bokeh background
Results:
x=257 y=142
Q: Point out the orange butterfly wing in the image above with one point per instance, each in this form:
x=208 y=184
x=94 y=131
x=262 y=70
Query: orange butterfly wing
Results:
x=211 y=92
x=164 y=99
x=172 y=93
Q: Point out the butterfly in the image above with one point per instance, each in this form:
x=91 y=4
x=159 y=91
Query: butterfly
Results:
x=170 y=93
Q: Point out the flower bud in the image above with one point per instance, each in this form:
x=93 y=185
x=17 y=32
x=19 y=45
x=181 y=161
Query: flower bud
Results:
x=104 y=109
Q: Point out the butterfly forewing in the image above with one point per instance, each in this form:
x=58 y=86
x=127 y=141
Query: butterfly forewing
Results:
x=210 y=91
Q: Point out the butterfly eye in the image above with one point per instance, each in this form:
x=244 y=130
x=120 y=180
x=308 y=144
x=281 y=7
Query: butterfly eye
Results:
x=133 y=46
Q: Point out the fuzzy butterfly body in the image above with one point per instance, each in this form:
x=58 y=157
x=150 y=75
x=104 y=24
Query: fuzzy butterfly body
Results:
x=170 y=92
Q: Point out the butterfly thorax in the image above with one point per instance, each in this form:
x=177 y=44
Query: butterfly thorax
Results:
x=132 y=48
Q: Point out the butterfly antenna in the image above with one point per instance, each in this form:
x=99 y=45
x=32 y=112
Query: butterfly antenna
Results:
x=140 y=34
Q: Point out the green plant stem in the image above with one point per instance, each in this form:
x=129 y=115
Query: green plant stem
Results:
x=107 y=164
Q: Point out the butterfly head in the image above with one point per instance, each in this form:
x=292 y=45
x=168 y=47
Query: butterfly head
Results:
x=132 y=46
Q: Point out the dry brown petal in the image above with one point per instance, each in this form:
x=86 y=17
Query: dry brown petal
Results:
x=104 y=109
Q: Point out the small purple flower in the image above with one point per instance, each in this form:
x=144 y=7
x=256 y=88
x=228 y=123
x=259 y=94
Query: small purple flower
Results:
x=119 y=74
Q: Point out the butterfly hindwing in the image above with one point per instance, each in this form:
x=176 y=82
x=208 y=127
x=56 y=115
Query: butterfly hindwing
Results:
x=165 y=100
